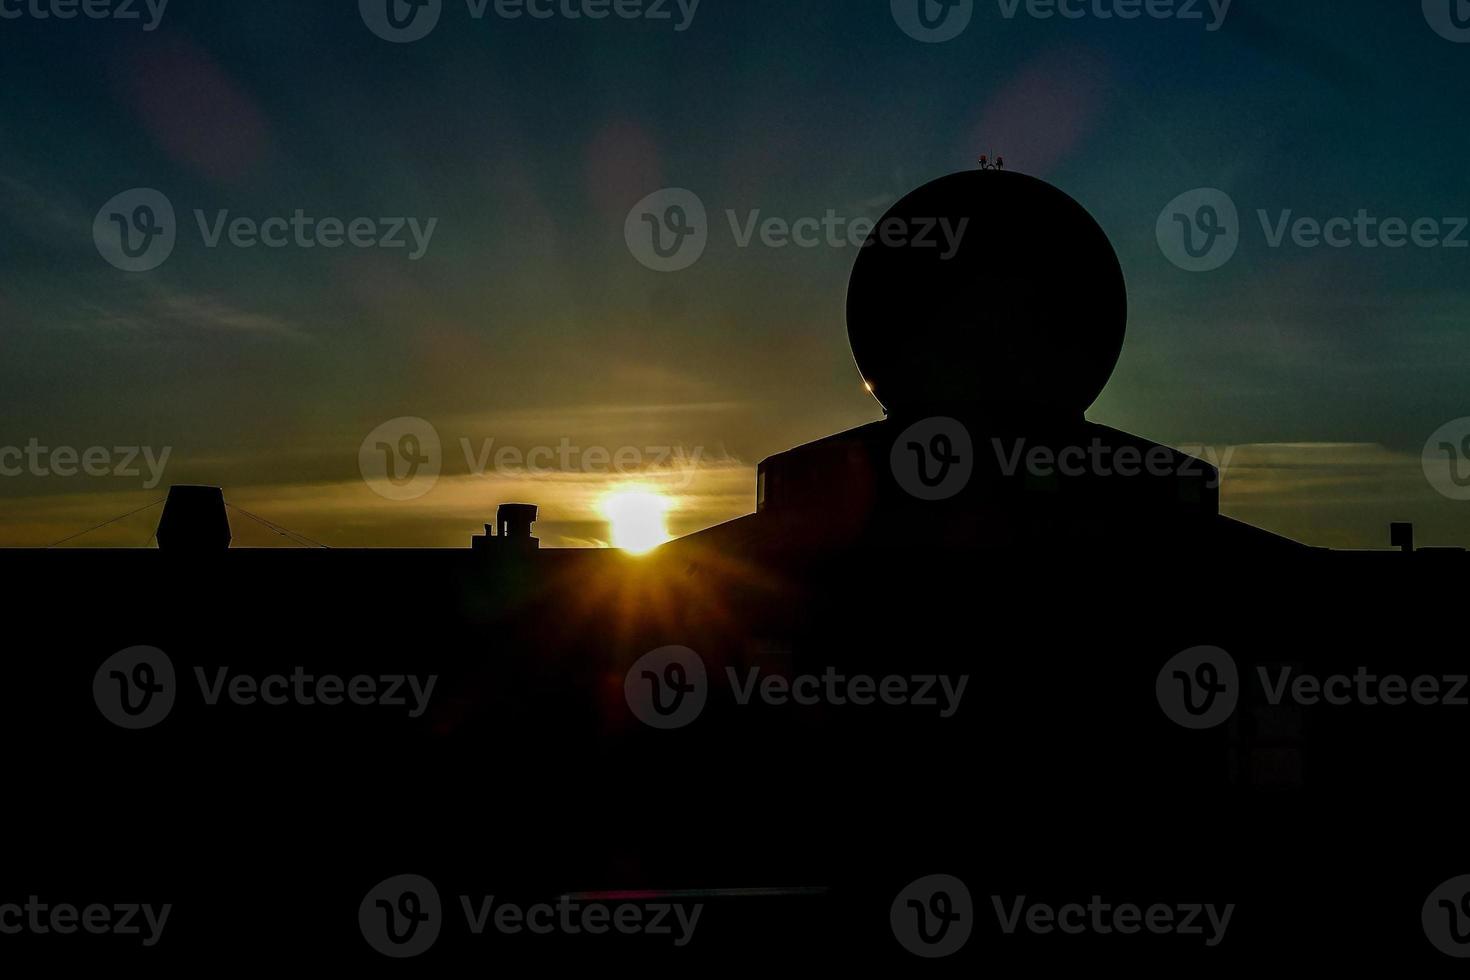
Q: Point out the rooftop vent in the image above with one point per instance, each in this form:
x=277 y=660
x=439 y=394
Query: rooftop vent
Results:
x=194 y=520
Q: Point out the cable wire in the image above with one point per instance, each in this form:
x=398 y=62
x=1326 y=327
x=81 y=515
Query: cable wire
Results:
x=72 y=537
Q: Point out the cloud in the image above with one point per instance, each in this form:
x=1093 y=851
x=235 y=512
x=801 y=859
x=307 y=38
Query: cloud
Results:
x=1335 y=494
x=158 y=307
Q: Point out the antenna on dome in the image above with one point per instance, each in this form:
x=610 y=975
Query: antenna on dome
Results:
x=999 y=163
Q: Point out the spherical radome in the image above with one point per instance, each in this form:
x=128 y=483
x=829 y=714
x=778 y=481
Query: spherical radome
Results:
x=987 y=291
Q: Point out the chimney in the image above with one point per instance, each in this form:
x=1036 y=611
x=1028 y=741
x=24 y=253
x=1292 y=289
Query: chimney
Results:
x=194 y=520
x=511 y=530
x=1401 y=535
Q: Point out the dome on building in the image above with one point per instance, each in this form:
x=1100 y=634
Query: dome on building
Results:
x=988 y=292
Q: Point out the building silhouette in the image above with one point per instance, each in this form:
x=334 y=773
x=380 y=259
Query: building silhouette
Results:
x=946 y=540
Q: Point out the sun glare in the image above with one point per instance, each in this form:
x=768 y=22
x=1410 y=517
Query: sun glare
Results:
x=639 y=518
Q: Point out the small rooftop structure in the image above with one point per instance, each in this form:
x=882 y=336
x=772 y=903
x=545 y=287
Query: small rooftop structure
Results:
x=194 y=520
x=512 y=529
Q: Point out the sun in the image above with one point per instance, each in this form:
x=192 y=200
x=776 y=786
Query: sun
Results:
x=639 y=518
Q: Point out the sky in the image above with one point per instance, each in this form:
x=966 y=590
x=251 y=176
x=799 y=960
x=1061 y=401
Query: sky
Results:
x=504 y=156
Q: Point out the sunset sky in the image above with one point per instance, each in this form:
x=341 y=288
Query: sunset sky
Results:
x=1316 y=374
